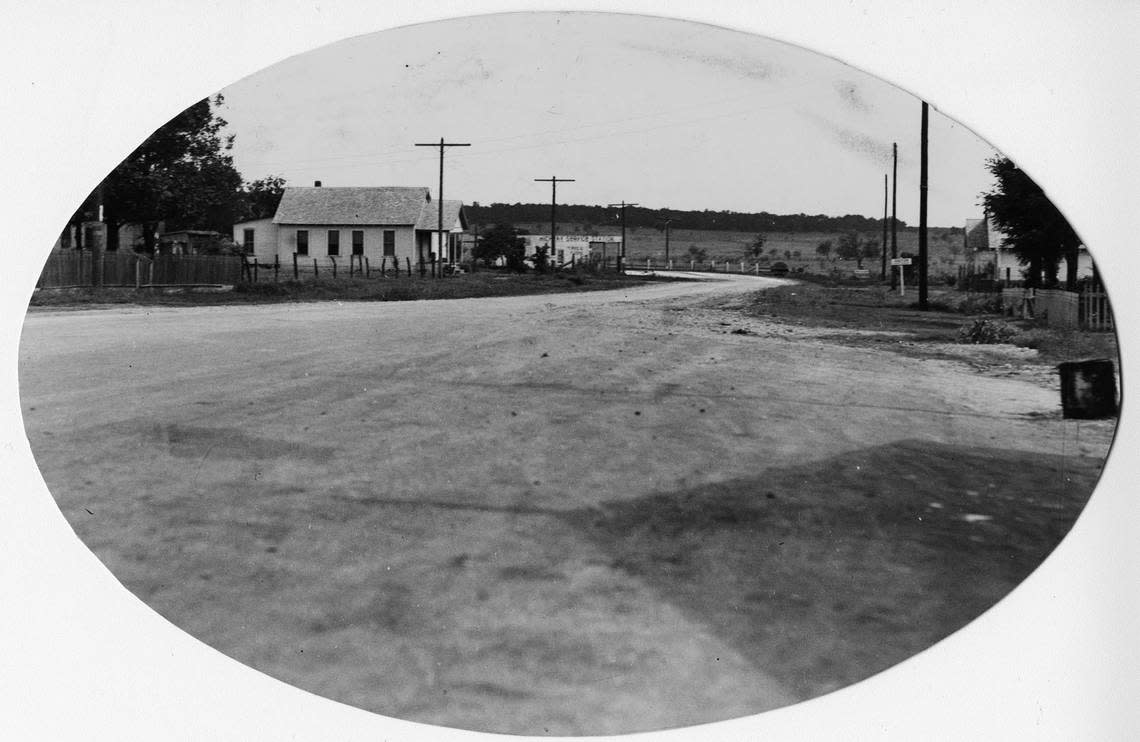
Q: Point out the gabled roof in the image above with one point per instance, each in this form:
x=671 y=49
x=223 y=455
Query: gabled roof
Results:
x=388 y=205
x=452 y=213
x=977 y=237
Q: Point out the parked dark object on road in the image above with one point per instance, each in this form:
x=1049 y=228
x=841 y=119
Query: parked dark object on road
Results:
x=1088 y=389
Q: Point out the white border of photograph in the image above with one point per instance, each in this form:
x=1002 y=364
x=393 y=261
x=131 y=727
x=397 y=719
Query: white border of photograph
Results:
x=1051 y=85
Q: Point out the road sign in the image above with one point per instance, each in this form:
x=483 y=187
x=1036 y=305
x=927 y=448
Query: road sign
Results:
x=900 y=261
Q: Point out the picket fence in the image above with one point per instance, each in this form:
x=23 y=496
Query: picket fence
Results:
x=1089 y=309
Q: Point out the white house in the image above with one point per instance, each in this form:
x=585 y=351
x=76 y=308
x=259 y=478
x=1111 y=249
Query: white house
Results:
x=984 y=246
x=257 y=237
x=389 y=222
x=454 y=225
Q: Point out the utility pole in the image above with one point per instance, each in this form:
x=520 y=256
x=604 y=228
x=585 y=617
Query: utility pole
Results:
x=621 y=259
x=441 y=146
x=894 y=207
x=667 y=223
x=553 y=181
x=922 y=188
x=883 y=274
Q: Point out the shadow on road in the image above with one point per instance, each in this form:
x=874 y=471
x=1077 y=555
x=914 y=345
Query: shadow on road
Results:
x=828 y=573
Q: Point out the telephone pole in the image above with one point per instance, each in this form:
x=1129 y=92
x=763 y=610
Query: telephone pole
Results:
x=621 y=258
x=667 y=223
x=894 y=208
x=553 y=181
x=883 y=274
x=442 y=144
x=922 y=188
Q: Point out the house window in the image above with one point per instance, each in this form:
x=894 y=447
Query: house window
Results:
x=247 y=240
x=334 y=242
x=302 y=242
x=358 y=242
x=390 y=243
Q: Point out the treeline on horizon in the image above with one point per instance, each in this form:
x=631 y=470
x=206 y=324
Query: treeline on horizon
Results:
x=730 y=221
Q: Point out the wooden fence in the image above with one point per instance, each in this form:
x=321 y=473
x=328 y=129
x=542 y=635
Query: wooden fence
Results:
x=1095 y=311
x=1088 y=309
x=74 y=268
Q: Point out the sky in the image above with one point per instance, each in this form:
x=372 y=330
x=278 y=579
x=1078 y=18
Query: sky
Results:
x=662 y=113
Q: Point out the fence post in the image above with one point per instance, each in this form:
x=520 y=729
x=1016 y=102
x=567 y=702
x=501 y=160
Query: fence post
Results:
x=409 y=263
x=333 y=261
x=296 y=272
x=367 y=267
x=276 y=267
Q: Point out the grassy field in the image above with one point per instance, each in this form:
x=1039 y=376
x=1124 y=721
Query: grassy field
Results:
x=482 y=284
x=945 y=246
x=876 y=308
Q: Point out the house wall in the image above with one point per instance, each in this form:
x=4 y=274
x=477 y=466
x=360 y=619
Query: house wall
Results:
x=454 y=240
x=264 y=237
x=1008 y=267
x=373 y=241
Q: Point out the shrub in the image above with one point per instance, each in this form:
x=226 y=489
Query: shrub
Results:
x=986 y=332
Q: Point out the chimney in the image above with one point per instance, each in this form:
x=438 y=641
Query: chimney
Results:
x=316 y=184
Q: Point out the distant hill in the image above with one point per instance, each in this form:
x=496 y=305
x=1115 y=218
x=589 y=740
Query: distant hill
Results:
x=596 y=217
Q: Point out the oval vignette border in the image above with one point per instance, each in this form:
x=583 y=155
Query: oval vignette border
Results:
x=101 y=659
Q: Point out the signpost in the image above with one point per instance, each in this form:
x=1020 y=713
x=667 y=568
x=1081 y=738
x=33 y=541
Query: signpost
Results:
x=900 y=262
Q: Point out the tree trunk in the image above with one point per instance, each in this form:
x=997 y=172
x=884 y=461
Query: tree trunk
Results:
x=1033 y=277
x=1072 y=255
x=149 y=229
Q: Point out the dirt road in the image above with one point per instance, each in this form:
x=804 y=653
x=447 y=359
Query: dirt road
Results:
x=452 y=512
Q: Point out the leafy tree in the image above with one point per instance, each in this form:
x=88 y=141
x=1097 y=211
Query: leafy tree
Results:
x=823 y=250
x=699 y=254
x=1034 y=228
x=261 y=197
x=182 y=174
x=501 y=241
x=870 y=249
x=850 y=247
x=756 y=247
x=540 y=259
